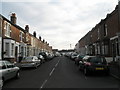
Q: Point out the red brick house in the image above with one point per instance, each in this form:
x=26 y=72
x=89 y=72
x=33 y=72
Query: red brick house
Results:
x=13 y=39
x=103 y=39
x=18 y=42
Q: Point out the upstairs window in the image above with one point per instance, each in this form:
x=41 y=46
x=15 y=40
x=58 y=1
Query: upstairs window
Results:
x=105 y=30
x=21 y=36
x=7 y=29
x=98 y=33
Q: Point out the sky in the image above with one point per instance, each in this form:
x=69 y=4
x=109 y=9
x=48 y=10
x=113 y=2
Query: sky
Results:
x=62 y=23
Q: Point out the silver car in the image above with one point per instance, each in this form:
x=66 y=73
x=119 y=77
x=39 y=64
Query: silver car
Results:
x=7 y=71
x=31 y=61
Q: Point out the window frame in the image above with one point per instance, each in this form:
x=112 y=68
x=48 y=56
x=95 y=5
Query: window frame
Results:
x=7 y=28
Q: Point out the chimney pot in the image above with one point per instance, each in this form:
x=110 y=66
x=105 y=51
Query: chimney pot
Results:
x=27 y=28
x=13 y=18
x=34 y=34
x=40 y=37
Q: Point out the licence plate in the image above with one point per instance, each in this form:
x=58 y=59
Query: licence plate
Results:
x=99 y=68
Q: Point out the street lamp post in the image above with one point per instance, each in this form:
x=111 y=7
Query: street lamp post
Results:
x=70 y=46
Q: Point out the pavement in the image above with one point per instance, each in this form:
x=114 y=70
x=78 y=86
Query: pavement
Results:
x=114 y=68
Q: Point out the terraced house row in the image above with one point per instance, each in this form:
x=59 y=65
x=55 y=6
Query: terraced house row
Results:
x=103 y=39
x=16 y=42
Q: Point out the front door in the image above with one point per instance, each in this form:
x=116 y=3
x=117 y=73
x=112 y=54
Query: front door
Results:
x=16 y=53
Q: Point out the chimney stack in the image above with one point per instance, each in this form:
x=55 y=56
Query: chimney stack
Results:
x=34 y=34
x=27 y=28
x=13 y=18
x=39 y=37
x=43 y=40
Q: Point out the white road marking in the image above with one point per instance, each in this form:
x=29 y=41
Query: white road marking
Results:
x=44 y=83
x=50 y=74
x=57 y=63
x=52 y=71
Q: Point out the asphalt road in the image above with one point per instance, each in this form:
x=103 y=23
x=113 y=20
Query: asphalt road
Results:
x=60 y=72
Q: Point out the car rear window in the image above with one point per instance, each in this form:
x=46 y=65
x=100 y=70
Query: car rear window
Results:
x=74 y=54
x=97 y=60
x=81 y=56
x=27 y=59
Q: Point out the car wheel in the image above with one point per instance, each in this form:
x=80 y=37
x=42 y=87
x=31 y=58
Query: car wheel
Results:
x=86 y=72
x=36 y=66
x=79 y=67
x=17 y=75
x=77 y=63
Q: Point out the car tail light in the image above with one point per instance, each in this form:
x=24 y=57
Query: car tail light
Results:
x=87 y=63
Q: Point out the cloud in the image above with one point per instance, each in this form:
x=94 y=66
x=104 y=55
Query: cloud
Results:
x=59 y=22
x=26 y=0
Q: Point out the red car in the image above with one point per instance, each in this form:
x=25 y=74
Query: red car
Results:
x=79 y=58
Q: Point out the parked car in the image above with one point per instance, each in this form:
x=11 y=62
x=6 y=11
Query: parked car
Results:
x=7 y=71
x=79 y=58
x=93 y=64
x=50 y=56
x=68 y=54
x=41 y=58
x=44 y=54
x=31 y=61
x=73 y=56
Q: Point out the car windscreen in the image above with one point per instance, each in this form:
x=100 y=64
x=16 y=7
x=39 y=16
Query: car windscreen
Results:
x=81 y=56
x=74 y=54
x=27 y=59
x=97 y=60
x=1 y=65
